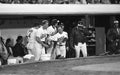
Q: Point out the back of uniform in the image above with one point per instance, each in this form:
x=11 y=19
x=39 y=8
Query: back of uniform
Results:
x=31 y=34
x=51 y=30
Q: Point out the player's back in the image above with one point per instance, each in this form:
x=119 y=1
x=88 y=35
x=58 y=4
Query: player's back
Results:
x=32 y=34
x=51 y=30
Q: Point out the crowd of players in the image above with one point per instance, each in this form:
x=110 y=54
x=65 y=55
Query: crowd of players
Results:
x=53 y=40
x=60 y=1
x=41 y=39
x=48 y=40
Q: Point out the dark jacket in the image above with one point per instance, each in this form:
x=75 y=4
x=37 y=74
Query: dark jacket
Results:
x=79 y=34
x=113 y=35
x=19 y=50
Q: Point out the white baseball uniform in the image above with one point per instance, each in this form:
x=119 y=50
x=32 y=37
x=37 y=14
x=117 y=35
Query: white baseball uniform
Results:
x=51 y=31
x=42 y=34
x=60 y=47
x=31 y=40
x=81 y=47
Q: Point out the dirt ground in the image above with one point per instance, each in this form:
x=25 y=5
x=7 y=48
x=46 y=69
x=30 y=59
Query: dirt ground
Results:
x=95 y=65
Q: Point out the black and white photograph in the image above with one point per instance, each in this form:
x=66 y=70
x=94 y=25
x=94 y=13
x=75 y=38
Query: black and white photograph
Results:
x=59 y=37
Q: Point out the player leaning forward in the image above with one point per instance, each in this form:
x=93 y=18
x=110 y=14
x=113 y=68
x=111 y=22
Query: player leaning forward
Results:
x=41 y=36
x=52 y=30
x=31 y=37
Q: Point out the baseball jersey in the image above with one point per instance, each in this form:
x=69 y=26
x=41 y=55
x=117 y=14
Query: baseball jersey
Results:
x=32 y=34
x=51 y=30
x=58 y=36
x=41 y=33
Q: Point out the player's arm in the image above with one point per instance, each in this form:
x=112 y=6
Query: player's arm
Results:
x=65 y=37
x=38 y=39
x=54 y=33
x=29 y=32
x=53 y=38
x=41 y=42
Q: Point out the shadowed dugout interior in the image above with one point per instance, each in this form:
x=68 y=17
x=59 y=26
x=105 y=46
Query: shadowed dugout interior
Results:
x=14 y=25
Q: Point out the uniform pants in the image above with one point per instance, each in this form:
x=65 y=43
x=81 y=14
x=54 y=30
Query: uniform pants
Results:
x=31 y=48
x=52 y=50
x=81 y=47
x=39 y=50
x=61 y=50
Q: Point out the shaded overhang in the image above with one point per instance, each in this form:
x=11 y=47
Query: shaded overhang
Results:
x=58 y=9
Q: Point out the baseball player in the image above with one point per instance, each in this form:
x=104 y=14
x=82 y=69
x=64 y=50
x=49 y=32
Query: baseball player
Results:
x=78 y=39
x=52 y=30
x=61 y=38
x=31 y=36
x=41 y=36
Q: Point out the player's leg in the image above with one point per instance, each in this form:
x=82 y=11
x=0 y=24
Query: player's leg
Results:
x=58 y=52
x=38 y=51
x=84 y=50
x=54 y=52
x=63 y=51
x=77 y=50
